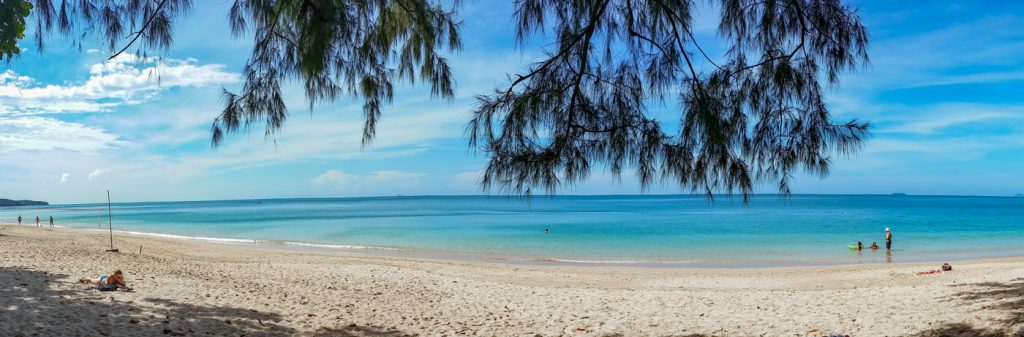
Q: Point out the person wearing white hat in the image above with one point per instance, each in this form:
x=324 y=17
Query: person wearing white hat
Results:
x=888 y=239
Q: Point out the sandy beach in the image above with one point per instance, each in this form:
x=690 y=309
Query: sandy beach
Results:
x=193 y=288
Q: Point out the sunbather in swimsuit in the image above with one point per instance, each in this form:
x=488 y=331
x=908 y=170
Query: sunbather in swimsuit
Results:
x=117 y=279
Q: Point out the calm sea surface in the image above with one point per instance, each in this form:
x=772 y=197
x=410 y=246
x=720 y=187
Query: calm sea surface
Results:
x=667 y=230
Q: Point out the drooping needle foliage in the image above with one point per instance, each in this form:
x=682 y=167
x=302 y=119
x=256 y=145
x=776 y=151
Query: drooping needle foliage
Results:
x=337 y=48
x=755 y=115
x=333 y=48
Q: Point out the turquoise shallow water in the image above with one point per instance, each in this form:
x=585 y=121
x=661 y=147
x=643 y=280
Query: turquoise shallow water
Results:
x=801 y=229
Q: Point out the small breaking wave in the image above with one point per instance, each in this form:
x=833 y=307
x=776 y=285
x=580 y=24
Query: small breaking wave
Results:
x=576 y=261
x=183 y=237
x=253 y=241
x=336 y=246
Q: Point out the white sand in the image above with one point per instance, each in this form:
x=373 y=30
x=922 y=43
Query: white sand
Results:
x=191 y=288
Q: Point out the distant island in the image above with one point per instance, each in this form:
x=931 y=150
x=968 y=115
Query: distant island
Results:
x=899 y=194
x=9 y=202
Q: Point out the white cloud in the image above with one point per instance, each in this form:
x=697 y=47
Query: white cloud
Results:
x=125 y=80
x=375 y=183
x=97 y=172
x=65 y=178
x=407 y=130
x=340 y=178
x=949 y=149
x=470 y=178
x=930 y=125
x=942 y=118
x=333 y=177
x=44 y=134
x=938 y=57
x=975 y=78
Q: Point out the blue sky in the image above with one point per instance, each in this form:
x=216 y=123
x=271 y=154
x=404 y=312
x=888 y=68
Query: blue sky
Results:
x=943 y=92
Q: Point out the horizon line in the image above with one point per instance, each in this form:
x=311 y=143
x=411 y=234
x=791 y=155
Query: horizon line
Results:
x=551 y=196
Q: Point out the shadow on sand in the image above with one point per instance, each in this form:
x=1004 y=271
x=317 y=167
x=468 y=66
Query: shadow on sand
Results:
x=32 y=305
x=961 y=330
x=1007 y=298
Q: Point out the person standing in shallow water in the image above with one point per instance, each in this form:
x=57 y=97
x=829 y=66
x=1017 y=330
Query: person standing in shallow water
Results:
x=888 y=239
x=51 y=221
x=19 y=219
x=37 y=221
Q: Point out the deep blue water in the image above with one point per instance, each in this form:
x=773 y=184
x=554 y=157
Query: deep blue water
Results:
x=678 y=229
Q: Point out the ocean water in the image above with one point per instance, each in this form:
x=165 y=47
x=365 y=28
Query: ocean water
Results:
x=646 y=230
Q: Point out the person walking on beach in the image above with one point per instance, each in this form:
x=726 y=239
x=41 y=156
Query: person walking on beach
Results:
x=888 y=239
x=37 y=221
x=19 y=219
x=51 y=221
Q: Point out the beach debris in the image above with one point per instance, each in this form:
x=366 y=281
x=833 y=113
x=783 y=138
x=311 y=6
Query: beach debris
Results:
x=310 y=315
x=812 y=330
x=134 y=321
x=227 y=321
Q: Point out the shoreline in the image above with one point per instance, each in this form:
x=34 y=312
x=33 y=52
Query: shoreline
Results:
x=194 y=288
x=399 y=252
x=626 y=231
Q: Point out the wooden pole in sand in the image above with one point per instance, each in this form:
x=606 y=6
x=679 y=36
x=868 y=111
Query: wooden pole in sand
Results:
x=110 y=224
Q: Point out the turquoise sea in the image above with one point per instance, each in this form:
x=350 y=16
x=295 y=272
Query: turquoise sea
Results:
x=642 y=230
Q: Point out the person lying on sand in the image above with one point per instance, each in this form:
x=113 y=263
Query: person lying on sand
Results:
x=116 y=279
x=874 y=245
